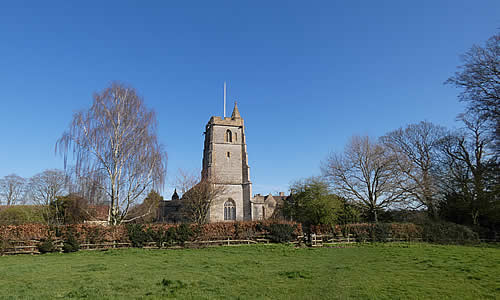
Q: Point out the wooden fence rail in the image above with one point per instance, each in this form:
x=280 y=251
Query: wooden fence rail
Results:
x=319 y=240
x=31 y=246
x=315 y=240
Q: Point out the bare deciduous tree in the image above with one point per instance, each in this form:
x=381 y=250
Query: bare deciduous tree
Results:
x=117 y=137
x=44 y=188
x=198 y=196
x=479 y=77
x=12 y=188
x=416 y=149
x=470 y=168
x=186 y=179
x=88 y=186
x=365 y=174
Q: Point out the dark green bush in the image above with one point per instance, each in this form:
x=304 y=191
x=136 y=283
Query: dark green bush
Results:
x=361 y=232
x=171 y=235
x=70 y=244
x=159 y=236
x=281 y=233
x=46 y=246
x=57 y=231
x=137 y=236
x=368 y=232
x=448 y=233
x=380 y=232
x=183 y=234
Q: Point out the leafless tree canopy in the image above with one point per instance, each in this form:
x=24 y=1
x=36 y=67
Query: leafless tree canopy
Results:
x=198 y=196
x=479 y=79
x=12 y=188
x=365 y=174
x=117 y=137
x=186 y=179
x=469 y=165
x=44 y=188
x=88 y=186
x=416 y=149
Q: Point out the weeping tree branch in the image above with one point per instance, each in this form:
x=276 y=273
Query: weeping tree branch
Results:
x=116 y=137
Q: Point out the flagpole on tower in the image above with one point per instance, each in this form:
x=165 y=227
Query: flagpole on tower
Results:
x=224 y=99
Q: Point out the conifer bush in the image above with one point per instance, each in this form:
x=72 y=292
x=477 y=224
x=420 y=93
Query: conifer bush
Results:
x=183 y=233
x=46 y=246
x=280 y=233
x=70 y=244
x=137 y=235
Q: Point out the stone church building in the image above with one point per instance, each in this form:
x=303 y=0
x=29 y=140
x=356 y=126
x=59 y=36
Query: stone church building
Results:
x=225 y=162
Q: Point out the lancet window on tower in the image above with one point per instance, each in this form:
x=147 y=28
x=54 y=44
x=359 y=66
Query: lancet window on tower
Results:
x=229 y=210
x=229 y=136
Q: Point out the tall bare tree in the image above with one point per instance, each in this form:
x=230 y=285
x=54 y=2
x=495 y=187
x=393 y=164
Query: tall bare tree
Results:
x=365 y=174
x=198 y=195
x=198 y=200
x=117 y=136
x=44 y=188
x=186 y=179
x=88 y=186
x=479 y=79
x=470 y=167
x=416 y=149
x=12 y=188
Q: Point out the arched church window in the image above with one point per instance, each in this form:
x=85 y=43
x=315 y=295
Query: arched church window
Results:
x=229 y=210
x=229 y=136
x=235 y=136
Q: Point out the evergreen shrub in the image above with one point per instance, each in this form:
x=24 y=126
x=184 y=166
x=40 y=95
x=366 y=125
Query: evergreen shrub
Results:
x=280 y=233
x=137 y=236
x=448 y=233
x=183 y=234
x=46 y=246
x=70 y=244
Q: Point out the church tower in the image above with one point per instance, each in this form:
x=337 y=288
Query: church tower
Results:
x=225 y=161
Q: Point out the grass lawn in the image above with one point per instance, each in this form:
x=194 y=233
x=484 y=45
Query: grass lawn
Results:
x=258 y=271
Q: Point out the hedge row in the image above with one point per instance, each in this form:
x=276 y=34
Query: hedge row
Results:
x=278 y=231
x=433 y=232
x=93 y=234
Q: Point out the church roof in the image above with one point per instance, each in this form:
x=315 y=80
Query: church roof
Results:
x=175 y=196
x=236 y=113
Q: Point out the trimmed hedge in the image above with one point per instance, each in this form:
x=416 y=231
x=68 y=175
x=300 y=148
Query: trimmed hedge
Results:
x=281 y=233
x=432 y=232
x=139 y=234
x=276 y=231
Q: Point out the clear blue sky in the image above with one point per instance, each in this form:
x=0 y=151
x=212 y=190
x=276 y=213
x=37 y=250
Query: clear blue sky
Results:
x=307 y=74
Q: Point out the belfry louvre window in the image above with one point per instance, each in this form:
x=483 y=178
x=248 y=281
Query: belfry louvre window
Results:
x=229 y=210
x=229 y=136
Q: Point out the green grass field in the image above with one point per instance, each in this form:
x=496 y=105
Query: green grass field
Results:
x=377 y=271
